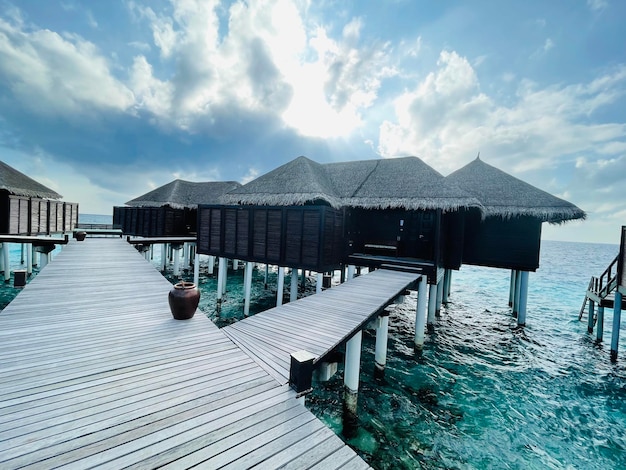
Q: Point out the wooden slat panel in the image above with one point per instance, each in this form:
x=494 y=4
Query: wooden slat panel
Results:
x=243 y=226
x=274 y=234
x=259 y=247
x=293 y=236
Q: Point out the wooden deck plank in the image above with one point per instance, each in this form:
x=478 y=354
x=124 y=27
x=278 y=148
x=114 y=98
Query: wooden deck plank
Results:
x=287 y=455
x=95 y=372
x=318 y=323
x=313 y=455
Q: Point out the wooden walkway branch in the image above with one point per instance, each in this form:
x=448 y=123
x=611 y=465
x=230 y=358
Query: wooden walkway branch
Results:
x=95 y=372
x=318 y=323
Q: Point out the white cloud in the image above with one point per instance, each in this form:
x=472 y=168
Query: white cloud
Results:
x=53 y=74
x=150 y=93
x=265 y=61
x=446 y=119
x=597 y=5
x=549 y=44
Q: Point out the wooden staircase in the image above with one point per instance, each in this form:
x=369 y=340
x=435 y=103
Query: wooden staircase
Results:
x=601 y=290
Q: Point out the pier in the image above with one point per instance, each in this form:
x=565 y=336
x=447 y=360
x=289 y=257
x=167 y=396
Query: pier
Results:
x=95 y=372
x=318 y=323
x=607 y=291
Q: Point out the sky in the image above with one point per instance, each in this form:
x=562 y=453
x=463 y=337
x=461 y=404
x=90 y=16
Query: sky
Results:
x=103 y=101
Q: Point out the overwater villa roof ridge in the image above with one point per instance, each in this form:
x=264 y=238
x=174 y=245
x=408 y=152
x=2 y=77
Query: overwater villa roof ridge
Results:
x=17 y=183
x=506 y=196
x=405 y=182
x=180 y=194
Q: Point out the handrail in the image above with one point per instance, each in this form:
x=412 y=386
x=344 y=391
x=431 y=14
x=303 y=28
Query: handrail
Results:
x=607 y=273
x=592 y=283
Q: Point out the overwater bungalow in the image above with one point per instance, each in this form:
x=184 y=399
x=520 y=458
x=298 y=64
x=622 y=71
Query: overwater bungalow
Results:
x=27 y=207
x=509 y=234
x=306 y=215
x=170 y=210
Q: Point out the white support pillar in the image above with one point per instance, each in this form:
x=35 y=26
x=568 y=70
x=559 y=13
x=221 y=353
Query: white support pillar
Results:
x=293 y=291
x=446 y=286
x=319 y=281
x=439 y=298
x=351 y=384
x=281 y=286
x=6 y=262
x=211 y=264
x=420 y=313
x=591 y=312
x=432 y=306
x=351 y=270
x=523 y=298
x=518 y=283
x=235 y=264
x=43 y=262
x=380 y=354
x=196 y=270
x=35 y=260
x=617 y=320
x=247 y=289
x=225 y=277
x=512 y=288
x=600 y=324
x=163 y=257
x=2 y=263
x=266 y=275
x=176 y=255
x=221 y=265
x=29 y=259
x=185 y=255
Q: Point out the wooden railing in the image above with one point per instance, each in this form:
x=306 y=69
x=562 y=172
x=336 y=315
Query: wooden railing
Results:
x=603 y=285
x=97 y=226
x=607 y=280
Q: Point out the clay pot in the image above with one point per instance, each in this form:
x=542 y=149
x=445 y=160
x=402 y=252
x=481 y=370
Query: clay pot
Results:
x=183 y=299
x=80 y=236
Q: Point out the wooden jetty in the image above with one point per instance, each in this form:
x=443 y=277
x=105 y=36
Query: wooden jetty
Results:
x=607 y=291
x=95 y=372
x=318 y=323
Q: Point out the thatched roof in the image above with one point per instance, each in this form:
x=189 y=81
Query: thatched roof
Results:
x=503 y=195
x=181 y=194
x=406 y=183
x=19 y=184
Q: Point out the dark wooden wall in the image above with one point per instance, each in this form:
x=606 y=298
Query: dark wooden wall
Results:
x=393 y=232
x=155 y=221
x=512 y=243
x=33 y=216
x=308 y=237
x=452 y=238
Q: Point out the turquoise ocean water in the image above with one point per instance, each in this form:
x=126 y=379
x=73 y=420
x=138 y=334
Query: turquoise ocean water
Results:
x=483 y=393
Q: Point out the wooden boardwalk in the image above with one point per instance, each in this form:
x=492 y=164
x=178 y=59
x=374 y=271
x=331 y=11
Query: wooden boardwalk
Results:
x=94 y=372
x=318 y=323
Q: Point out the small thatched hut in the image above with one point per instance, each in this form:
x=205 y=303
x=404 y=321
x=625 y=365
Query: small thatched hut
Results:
x=317 y=216
x=170 y=210
x=509 y=235
x=30 y=208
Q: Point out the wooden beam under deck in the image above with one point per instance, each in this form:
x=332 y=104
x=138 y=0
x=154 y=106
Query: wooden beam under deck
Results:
x=94 y=371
